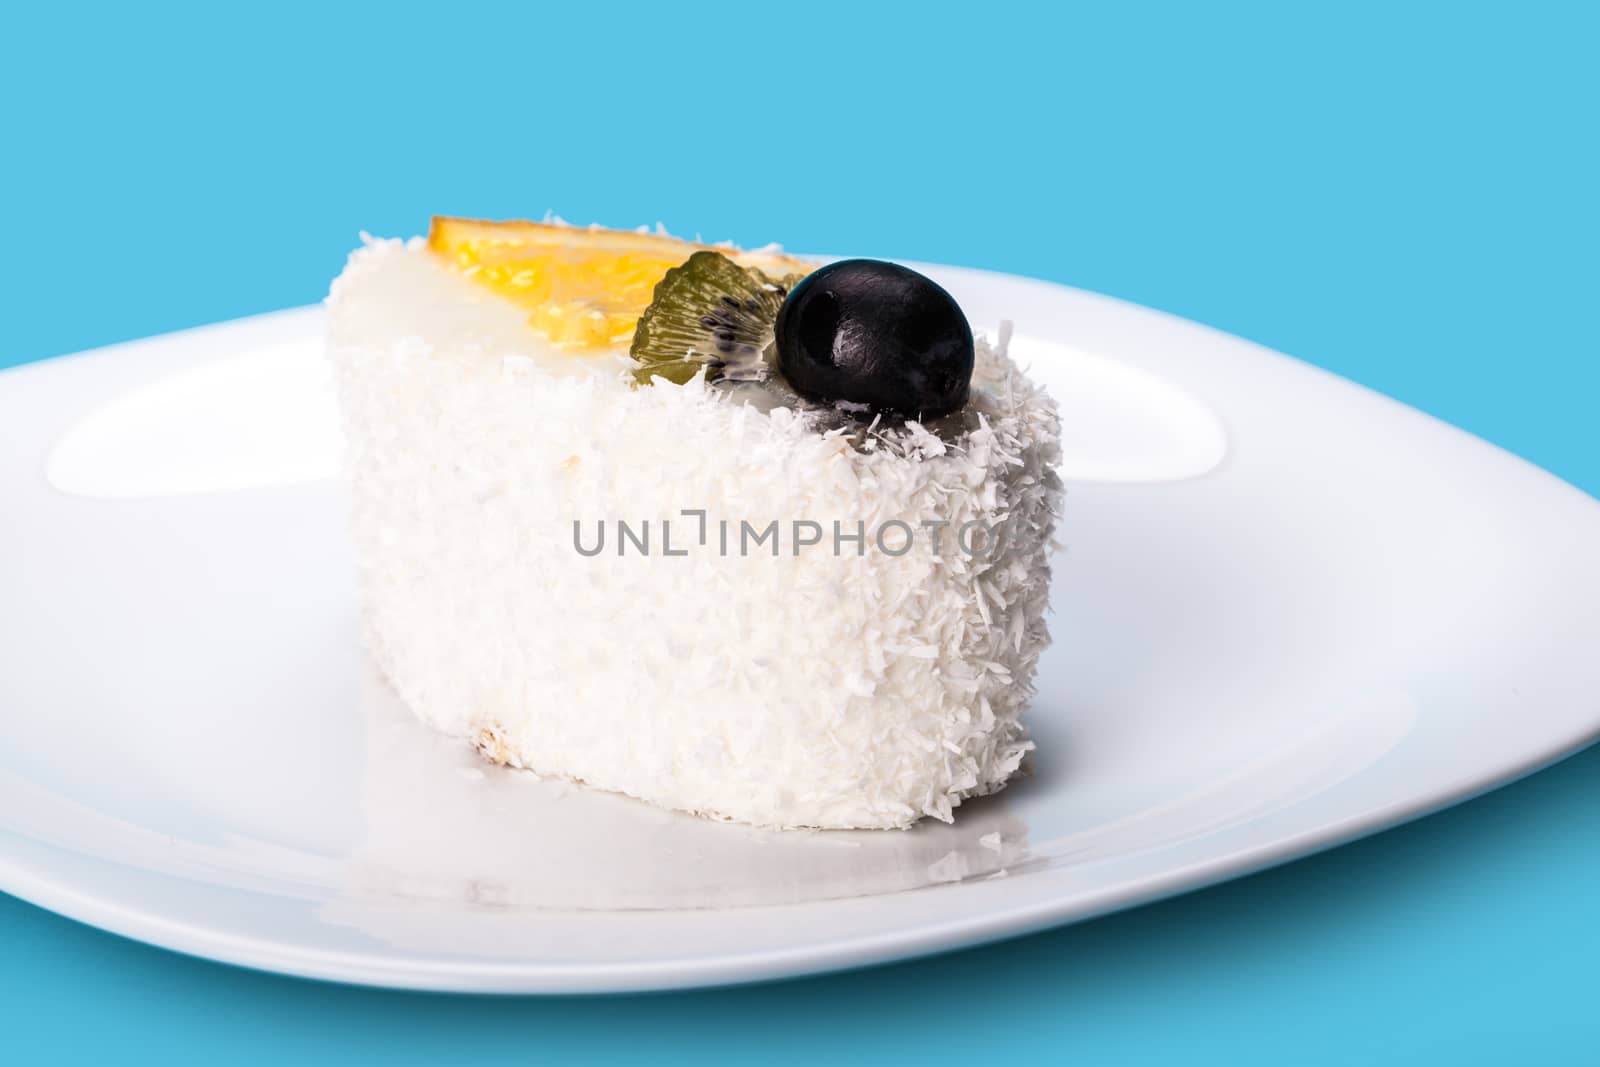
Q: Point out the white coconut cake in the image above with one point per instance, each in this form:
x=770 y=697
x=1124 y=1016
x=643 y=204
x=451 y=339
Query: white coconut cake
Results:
x=841 y=684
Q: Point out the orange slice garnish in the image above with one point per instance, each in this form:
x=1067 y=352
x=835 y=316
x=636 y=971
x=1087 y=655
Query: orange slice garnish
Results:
x=582 y=287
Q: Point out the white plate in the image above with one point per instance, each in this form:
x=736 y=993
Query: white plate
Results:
x=1288 y=612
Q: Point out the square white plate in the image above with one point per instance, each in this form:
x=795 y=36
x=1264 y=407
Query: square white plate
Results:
x=1288 y=612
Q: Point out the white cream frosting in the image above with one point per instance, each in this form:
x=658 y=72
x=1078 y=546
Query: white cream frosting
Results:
x=810 y=689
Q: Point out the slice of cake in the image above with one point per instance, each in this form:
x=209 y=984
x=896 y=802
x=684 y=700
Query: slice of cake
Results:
x=727 y=532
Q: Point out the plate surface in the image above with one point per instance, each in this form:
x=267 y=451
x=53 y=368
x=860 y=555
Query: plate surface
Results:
x=1288 y=612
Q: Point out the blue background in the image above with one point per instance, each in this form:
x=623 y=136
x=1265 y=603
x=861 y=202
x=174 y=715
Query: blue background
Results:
x=1403 y=194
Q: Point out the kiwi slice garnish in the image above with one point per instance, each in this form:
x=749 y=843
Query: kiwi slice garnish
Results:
x=709 y=312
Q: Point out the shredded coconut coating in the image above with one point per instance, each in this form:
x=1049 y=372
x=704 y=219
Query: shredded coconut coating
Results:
x=809 y=690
